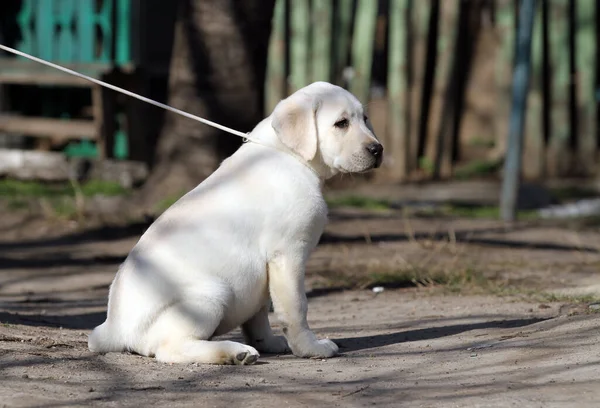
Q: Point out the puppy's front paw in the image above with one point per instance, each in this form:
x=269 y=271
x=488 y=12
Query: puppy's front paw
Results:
x=327 y=348
x=320 y=349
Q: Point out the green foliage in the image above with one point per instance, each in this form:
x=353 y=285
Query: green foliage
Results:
x=575 y=299
x=484 y=212
x=481 y=142
x=34 y=189
x=366 y=203
x=106 y=188
x=573 y=192
x=426 y=165
x=167 y=202
x=450 y=210
x=477 y=168
x=63 y=200
x=452 y=279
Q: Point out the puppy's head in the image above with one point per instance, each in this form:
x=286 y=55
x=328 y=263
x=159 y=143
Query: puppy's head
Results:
x=325 y=124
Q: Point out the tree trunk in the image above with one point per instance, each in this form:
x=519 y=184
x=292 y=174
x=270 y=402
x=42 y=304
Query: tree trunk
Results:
x=217 y=72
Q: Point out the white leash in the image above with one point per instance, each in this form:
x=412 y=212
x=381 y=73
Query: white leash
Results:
x=126 y=92
x=150 y=101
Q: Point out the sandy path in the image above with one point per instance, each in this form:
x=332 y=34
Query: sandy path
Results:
x=400 y=348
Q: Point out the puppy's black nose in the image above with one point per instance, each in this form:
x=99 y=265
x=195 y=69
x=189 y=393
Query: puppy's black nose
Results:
x=376 y=149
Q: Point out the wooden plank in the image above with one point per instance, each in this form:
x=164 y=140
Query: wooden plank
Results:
x=47 y=78
x=322 y=11
x=22 y=64
x=44 y=127
x=140 y=121
x=54 y=166
x=105 y=116
x=275 y=81
x=362 y=48
x=299 y=43
x=19 y=72
x=33 y=165
x=397 y=88
x=103 y=148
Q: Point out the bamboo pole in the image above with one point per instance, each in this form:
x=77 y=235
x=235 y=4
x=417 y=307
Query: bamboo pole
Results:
x=321 y=39
x=275 y=83
x=446 y=82
x=512 y=165
x=503 y=67
x=299 y=43
x=397 y=88
x=558 y=160
x=343 y=28
x=427 y=30
x=362 y=48
x=534 y=146
x=585 y=42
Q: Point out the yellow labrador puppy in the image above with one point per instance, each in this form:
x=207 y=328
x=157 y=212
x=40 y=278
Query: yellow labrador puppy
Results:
x=211 y=262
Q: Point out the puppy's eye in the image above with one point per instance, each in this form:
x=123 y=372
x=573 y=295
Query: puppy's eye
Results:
x=342 y=124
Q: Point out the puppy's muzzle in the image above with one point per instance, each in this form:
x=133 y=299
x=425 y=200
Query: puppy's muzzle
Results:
x=376 y=150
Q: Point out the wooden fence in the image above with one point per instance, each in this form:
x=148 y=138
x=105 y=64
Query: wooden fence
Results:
x=124 y=42
x=436 y=76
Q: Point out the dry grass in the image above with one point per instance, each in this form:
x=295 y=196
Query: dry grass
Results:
x=447 y=266
x=441 y=264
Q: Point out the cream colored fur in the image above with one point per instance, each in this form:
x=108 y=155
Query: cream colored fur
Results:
x=212 y=261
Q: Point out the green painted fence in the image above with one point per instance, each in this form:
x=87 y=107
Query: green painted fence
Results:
x=423 y=125
x=92 y=36
x=74 y=31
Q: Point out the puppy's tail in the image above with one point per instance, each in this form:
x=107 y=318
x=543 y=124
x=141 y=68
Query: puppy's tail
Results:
x=101 y=341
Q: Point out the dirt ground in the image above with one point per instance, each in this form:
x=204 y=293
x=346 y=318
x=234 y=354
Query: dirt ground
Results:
x=429 y=346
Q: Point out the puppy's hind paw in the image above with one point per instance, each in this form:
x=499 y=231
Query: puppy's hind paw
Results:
x=247 y=357
x=272 y=345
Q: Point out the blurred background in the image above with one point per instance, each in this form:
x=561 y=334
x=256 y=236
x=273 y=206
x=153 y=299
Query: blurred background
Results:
x=435 y=75
x=447 y=84
x=438 y=79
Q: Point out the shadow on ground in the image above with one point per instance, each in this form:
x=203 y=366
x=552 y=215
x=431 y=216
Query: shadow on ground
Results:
x=348 y=344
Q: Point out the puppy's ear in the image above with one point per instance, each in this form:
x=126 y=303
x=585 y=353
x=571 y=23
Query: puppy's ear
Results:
x=294 y=121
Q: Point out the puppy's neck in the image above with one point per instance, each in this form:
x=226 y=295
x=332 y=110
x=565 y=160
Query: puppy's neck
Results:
x=265 y=135
x=323 y=170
